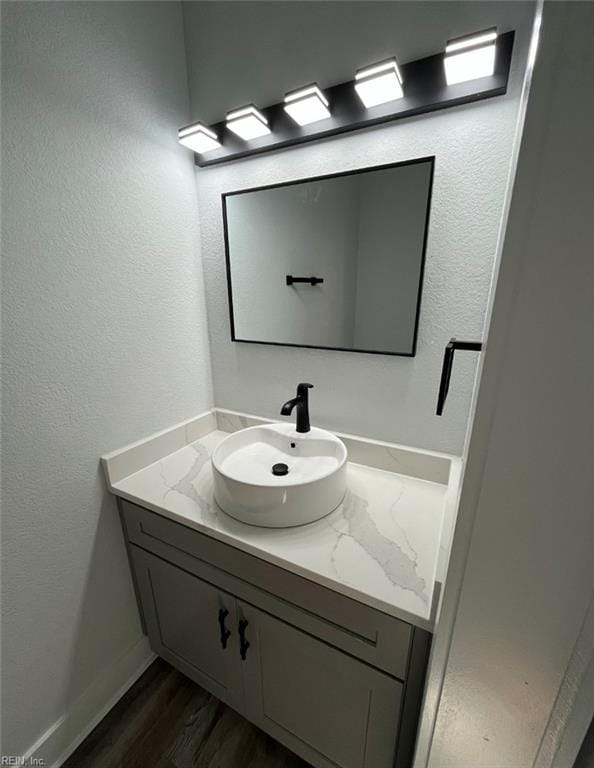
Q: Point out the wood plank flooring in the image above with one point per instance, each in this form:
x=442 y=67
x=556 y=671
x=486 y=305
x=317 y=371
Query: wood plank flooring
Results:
x=167 y=721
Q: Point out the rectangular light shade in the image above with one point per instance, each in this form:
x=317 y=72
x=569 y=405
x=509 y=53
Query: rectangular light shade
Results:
x=247 y=123
x=379 y=83
x=307 y=105
x=470 y=57
x=198 y=138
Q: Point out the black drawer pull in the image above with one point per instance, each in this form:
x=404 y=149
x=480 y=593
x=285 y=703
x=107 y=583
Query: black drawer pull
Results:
x=244 y=643
x=225 y=633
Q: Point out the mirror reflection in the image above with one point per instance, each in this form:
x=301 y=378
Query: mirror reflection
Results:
x=334 y=262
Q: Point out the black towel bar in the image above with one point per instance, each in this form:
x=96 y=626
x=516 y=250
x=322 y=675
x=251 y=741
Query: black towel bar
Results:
x=310 y=280
x=448 y=362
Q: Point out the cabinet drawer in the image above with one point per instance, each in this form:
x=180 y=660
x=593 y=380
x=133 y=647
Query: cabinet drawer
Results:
x=373 y=636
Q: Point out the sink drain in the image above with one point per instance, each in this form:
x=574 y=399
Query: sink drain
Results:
x=280 y=469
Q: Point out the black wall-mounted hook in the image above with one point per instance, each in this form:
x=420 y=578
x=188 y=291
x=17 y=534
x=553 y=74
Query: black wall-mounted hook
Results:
x=310 y=280
x=448 y=362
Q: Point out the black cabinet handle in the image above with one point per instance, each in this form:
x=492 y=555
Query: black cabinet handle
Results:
x=244 y=643
x=311 y=280
x=225 y=633
x=448 y=362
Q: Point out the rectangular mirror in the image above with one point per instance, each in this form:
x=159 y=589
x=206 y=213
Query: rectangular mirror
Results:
x=334 y=262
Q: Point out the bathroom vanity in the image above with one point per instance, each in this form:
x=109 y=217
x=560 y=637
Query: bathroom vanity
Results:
x=318 y=634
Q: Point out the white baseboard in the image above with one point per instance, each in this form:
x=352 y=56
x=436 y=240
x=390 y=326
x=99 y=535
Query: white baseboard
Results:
x=64 y=736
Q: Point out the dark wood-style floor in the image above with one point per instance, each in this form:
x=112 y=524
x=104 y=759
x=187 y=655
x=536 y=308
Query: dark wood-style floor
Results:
x=167 y=721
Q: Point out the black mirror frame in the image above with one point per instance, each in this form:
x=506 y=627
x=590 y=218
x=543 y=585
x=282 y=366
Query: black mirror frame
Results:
x=416 y=161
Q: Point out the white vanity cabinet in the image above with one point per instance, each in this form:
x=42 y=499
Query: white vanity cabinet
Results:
x=336 y=681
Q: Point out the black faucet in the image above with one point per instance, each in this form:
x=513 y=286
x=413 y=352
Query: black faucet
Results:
x=302 y=404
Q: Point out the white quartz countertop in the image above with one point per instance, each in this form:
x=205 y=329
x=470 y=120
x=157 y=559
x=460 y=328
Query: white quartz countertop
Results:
x=381 y=546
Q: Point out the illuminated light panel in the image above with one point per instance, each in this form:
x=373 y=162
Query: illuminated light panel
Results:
x=307 y=105
x=470 y=57
x=247 y=123
x=379 y=83
x=198 y=138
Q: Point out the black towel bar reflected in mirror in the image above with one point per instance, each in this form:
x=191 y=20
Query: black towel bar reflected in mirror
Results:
x=310 y=280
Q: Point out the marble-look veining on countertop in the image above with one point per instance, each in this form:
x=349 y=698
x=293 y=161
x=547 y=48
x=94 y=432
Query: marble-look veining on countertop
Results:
x=132 y=458
x=380 y=546
x=118 y=464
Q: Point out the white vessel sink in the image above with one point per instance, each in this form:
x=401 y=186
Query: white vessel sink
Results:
x=311 y=486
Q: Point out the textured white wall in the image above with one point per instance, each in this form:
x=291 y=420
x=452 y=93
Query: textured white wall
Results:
x=103 y=320
x=395 y=397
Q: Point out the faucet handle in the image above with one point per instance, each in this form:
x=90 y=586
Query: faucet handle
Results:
x=302 y=389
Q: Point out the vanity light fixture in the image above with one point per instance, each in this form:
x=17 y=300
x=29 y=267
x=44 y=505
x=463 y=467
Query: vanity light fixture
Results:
x=470 y=57
x=379 y=93
x=198 y=138
x=307 y=105
x=379 y=83
x=247 y=123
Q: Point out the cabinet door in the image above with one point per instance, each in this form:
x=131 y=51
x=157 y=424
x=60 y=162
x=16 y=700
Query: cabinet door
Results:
x=191 y=624
x=323 y=704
